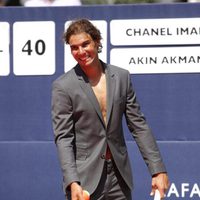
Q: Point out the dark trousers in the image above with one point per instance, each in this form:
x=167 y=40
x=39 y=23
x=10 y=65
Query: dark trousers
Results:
x=111 y=186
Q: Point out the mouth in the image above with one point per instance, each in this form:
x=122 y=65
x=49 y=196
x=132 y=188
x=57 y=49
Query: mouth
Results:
x=84 y=59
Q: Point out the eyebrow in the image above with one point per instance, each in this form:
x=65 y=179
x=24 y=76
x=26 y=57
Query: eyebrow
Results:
x=84 y=42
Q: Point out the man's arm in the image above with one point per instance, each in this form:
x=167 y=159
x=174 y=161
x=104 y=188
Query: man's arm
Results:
x=145 y=141
x=62 y=118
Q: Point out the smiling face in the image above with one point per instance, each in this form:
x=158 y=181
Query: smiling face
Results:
x=84 y=49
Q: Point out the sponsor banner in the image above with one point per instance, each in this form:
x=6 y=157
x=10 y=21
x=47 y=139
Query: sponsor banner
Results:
x=184 y=190
x=157 y=60
x=34 y=46
x=170 y=31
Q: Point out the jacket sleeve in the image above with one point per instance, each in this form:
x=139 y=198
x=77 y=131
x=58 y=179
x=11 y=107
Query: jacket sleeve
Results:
x=141 y=132
x=62 y=118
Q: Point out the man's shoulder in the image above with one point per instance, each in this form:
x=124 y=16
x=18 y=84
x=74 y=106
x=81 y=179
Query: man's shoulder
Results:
x=67 y=76
x=117 y=70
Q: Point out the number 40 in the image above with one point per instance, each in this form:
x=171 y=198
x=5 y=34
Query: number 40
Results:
x=39 y=47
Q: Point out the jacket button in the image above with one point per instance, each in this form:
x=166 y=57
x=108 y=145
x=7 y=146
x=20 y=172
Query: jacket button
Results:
x=102 y=156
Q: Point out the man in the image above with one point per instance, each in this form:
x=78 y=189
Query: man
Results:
x=88 y=103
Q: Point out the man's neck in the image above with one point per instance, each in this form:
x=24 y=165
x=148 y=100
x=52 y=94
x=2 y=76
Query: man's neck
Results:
x=94 y=73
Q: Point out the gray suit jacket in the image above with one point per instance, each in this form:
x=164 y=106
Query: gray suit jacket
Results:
x=82 y=136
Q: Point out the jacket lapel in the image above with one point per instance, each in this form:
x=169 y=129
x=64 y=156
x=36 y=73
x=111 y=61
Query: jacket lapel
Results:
x=85 y=85
x=110 y=79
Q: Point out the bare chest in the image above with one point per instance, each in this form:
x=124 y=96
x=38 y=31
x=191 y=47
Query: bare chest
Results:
x=101 y=94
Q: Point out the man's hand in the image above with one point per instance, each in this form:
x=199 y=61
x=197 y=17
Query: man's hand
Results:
x=76 y=191
x=161 y=183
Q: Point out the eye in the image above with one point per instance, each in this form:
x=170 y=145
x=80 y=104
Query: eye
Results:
x=85 y=44
x=73 y=48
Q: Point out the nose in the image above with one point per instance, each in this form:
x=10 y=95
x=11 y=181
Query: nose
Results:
x=81 y=50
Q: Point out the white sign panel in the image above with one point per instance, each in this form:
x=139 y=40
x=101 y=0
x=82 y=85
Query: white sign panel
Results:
x=155 y=31
x=34 y=48
x=70 y=62
x=157 y=60
x=4 y=49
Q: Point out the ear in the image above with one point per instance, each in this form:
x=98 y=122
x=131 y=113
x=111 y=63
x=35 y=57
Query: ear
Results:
x=97 y=43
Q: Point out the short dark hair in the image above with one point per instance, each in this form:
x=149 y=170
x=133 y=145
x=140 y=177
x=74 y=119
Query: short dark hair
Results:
x=80 y=26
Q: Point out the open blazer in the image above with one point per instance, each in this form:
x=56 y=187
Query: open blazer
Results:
x=82 y=136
